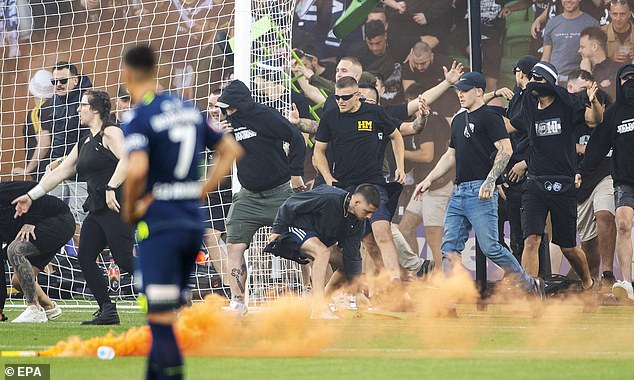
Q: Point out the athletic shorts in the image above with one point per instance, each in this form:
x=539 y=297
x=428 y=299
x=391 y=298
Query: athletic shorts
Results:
x=219 y=204
x=249 y=211
x=563 y=213
x=300 y=236
x=166 y=261
x=432 y=206
x=601 y=199
x=51 y=235
x=624 y=196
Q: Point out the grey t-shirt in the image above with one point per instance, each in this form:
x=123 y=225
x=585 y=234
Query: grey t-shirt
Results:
x=563 y=34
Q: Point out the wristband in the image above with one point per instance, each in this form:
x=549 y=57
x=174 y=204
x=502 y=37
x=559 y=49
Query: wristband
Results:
x=111 y=188
x=36 y=192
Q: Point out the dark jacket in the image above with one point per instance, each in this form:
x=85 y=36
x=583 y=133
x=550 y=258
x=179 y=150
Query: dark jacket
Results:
x=262 y=131
x=323 y=210
x=45 y=207
x=616 y=133
x=59 y=116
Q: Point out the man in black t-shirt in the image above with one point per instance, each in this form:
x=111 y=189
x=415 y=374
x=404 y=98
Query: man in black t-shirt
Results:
x=477 y=133
x=376 y=57
x=422 y=152
x=553 y=114
x=425 y=67
x=354 y=133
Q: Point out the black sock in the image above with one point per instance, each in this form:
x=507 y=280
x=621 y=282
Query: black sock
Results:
x=165 y=360
x=608 y=274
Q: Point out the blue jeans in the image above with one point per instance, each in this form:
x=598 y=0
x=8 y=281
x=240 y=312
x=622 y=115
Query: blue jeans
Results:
x=466 y=210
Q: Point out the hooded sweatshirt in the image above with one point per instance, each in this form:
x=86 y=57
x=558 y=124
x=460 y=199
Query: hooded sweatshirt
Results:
x=262 y=131
x=616 y=133
x=59 y=116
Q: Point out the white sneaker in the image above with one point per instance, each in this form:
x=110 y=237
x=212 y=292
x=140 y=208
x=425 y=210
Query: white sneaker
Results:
x=32 y=314
x=623 y=291
x=238 y=308
x=53 y=313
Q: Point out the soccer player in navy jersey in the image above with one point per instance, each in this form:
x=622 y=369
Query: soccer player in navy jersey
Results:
x=165 y=138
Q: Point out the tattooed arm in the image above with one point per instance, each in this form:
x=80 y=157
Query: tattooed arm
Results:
x=505 y=150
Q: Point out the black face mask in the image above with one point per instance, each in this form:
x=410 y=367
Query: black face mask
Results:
x=628 y=90
x=583 y=96
x=542 y=89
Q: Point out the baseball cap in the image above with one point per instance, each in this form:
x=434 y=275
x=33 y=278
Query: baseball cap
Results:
x=471 y=80
x=545 y=70
x=526 y=63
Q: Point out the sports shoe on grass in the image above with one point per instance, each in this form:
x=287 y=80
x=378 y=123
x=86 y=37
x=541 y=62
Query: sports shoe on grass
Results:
x=54 y=312
x=238 y=308
x=32 y=314
x=107 y=315
x=623 y=292
x=3 y=318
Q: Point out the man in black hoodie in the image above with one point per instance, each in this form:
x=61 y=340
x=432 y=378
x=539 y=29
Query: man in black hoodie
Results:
x=264 y=174
x=617 y=133
x=61 y=131
x=317 y=220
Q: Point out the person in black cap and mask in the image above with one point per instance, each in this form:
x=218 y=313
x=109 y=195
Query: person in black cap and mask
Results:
x=617 y=133
x=553 y=115
x=514 y=177
x=477 y=134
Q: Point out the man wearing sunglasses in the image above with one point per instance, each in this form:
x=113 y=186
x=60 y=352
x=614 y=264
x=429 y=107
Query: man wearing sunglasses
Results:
x=355 y=134
x=61 y=130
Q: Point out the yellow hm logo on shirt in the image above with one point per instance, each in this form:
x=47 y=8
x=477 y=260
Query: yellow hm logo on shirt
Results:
x=364 y=125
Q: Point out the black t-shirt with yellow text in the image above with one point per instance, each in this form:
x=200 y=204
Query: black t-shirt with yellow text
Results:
x=357 y=142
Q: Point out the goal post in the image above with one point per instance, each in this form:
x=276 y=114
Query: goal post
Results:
x=201 y=44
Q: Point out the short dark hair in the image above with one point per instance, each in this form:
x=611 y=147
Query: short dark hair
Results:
x=371 y=87
x=582 y=74
x=140 y=57
x=61 y=65
x=369 y=193
x=597 y=34
x=374 y=28
x=414 y=90
x=346 y=82
x=622 y=2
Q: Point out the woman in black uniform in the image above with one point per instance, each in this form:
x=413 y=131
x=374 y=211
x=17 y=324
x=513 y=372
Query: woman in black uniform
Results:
x=100 y=159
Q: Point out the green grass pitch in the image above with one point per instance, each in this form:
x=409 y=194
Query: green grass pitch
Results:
x=500 y=343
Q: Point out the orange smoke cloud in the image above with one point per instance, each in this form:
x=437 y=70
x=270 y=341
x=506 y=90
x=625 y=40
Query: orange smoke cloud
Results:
x=206 y=330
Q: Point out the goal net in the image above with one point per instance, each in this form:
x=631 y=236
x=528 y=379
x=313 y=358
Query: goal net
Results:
x=199 y=45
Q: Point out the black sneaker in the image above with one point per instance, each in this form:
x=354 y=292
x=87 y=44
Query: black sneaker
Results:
x=106 y=315
x=608 y=279
x=3 y=318
x=540 y=288
x=426 y=268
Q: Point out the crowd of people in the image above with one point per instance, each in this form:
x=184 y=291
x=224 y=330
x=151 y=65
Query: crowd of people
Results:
x=386 y=131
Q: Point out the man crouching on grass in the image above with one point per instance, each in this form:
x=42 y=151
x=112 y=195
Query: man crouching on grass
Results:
x=312 y=222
